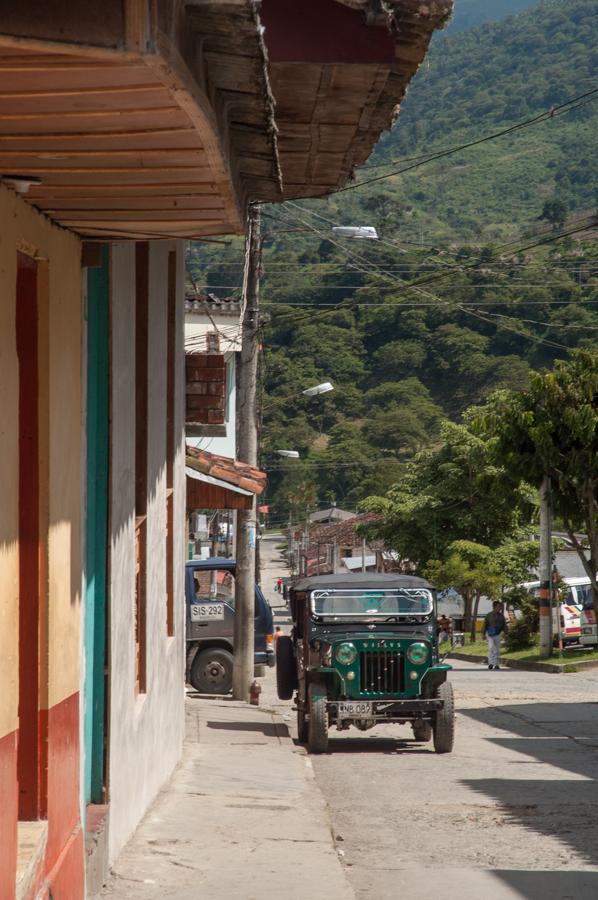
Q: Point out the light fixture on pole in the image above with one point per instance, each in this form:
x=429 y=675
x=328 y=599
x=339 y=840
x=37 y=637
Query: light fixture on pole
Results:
x=318 y=389
x=292 y=454
x=356 y=232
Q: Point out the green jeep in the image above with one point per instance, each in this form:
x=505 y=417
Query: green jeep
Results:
x=363 y=650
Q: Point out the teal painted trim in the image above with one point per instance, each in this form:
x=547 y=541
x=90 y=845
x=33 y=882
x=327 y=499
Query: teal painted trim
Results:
x=98 y=356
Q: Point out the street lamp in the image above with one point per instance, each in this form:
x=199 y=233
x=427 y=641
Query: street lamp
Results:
x=356 y=232
x=318 y=389
x=293 y=454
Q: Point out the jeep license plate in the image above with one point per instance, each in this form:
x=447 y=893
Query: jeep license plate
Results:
x=357 y=709
x=207 y=612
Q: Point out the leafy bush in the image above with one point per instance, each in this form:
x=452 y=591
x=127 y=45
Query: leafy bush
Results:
x=523 y=600
x=519 y=636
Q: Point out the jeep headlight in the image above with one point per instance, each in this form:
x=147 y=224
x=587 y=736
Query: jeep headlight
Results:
x=346 y=654
x=418 y=654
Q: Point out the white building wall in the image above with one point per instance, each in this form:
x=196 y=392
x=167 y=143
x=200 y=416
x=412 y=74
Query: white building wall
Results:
x=146 y=730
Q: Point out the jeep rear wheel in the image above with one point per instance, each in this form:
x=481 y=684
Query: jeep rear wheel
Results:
x=317 y=732
x=422 y=731
x=286 y=673
x=444 y=719
x=212 y=671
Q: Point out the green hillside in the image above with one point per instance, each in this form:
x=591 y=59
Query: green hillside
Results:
x=469 y=13
x=413 y=338
x=479 y=82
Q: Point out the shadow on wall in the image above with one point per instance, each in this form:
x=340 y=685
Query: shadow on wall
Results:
x=563 y=736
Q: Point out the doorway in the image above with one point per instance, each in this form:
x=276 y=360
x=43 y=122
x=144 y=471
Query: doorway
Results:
x=32 y=741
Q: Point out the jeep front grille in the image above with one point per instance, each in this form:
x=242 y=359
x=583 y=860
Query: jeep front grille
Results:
x=380 y=672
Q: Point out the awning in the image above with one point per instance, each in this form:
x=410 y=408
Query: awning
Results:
x=206 y=492
x=234 y=489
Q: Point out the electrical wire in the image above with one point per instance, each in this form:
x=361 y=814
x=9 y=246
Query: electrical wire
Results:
x=553 y=113
x=545 y=116
x=591 y=222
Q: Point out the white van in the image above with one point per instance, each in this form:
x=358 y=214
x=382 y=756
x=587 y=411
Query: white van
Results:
x=571 y=611
x=589 y=635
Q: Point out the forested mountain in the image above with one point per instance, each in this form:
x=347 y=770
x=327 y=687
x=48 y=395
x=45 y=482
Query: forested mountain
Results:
x=476 y=83
x=473 y=282
x=469 y=13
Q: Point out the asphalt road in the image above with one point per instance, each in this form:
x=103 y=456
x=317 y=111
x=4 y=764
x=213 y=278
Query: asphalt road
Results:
x=511 y=813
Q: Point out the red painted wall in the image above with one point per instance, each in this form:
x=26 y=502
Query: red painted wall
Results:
x=8 y=814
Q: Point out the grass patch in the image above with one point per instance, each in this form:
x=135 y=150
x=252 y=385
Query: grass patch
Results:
x=569 y=657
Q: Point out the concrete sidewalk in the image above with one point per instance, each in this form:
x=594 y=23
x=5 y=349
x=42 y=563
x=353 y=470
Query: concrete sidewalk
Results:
x=241 y=818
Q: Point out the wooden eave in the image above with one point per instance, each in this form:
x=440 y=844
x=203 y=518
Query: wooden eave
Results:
x=330 y=112
x=147 y=134
x=163 y=118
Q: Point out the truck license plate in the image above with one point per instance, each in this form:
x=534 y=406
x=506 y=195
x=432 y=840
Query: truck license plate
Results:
x=354 y=709
x=207 y=612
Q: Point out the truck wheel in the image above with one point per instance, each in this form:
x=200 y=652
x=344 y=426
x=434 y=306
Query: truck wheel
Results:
x=302 y=730
x=212 y=671
x=422 y=731
x=286 y=672
x=317 y=733
x=444 y=719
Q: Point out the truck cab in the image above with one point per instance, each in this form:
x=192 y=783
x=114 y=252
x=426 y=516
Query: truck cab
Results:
x=210 y=614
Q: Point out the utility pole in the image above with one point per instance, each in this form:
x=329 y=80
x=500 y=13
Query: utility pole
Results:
x=243 y=656
x=545 y=592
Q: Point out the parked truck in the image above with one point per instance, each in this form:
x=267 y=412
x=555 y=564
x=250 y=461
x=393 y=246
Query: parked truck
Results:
x=210 y=606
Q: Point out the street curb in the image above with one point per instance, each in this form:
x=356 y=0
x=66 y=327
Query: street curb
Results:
x=555 y=668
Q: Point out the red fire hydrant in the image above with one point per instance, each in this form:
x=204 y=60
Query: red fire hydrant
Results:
x=255 y=690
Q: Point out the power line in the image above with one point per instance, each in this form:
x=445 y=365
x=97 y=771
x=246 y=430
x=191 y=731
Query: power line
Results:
x=545 y=116
x=554 y=113
x=591 y=221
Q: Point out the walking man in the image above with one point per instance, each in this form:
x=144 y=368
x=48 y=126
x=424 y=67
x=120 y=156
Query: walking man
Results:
x=494 y=625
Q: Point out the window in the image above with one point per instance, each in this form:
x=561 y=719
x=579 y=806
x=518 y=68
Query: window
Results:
x=170 y=438
x=141 y=414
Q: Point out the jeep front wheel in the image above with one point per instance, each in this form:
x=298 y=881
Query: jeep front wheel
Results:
x=444 y=719
x=317 y=729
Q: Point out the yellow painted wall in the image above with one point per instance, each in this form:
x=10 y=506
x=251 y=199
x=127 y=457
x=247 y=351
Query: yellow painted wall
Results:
x=59 y=278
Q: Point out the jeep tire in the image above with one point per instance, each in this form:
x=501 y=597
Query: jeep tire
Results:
x=444 y=719
x=286 y=672
x=317 y=729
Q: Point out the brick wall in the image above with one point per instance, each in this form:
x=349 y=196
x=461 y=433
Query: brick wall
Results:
x=205 y=388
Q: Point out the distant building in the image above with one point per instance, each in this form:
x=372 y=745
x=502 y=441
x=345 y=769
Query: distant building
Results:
x=212 y=342
x=330 y=516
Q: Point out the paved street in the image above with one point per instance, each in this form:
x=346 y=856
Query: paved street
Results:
x=512 y=812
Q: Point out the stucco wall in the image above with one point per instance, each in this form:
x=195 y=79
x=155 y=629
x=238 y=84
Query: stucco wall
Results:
x=57 y=253
x=146 y=730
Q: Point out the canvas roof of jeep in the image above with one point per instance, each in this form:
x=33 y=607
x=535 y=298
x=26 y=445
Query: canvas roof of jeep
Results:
x=361 y=581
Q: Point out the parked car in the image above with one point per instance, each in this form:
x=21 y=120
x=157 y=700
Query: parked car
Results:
x=210 y=604
x=363 y=651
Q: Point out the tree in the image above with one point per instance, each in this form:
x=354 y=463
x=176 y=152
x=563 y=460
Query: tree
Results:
x=555 y=211
x=552 y=429
x=456 y=491
x=469 y=569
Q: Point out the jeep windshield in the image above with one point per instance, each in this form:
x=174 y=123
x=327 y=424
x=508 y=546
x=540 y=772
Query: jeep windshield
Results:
x=371 y=604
